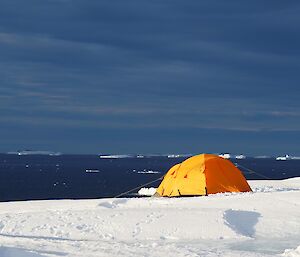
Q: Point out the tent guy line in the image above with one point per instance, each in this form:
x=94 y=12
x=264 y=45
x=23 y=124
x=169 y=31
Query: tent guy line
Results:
x=139 y=187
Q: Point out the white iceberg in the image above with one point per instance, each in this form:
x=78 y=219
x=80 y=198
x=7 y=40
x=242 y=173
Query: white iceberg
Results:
x=115 y=156
x=240 y=157
x=147 y=171
x=225 y=155
x=34 y=152
x=283 y=158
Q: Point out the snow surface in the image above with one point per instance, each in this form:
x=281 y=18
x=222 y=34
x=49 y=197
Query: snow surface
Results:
x=265 y=222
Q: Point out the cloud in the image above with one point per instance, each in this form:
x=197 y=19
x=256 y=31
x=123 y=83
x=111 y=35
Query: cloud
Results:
x=145 y=64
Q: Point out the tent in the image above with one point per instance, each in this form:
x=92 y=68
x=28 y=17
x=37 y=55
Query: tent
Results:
x=202 y=175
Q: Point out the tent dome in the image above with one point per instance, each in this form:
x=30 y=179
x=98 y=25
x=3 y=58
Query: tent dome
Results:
x=202 y=175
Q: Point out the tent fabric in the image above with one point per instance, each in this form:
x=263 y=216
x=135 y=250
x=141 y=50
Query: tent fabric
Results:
x=201 y=175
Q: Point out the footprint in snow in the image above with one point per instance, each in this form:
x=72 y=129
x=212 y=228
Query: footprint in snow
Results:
x=137 y=230
x=152 y=217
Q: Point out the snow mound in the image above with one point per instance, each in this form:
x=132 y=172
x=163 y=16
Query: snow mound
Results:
x=147 y=191
x=292 y=252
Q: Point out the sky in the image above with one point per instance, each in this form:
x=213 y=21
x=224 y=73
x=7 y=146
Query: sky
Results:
x=151 y=76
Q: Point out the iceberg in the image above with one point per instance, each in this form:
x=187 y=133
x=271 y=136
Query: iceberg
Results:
x=225 y=155
x=92 y=171
x=148 y=172
x=240 y=157
x=283 y=158
x=115 y=156
x=34 y=152
x=178 y=155
x=262 y=157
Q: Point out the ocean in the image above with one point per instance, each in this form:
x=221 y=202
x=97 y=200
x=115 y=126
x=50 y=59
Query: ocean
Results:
x=37 y=177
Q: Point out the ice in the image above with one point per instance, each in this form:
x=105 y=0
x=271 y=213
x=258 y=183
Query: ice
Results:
x=38 y=152
x=225 y=155
x=283 y=158
x=148 y=172
x=240 y=157
x=116 y=156
x=92 y=171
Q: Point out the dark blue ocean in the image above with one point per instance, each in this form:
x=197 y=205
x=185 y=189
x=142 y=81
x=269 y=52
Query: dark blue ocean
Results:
x=32 y=177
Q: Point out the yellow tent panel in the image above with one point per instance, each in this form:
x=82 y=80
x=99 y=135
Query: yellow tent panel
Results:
x=201 y=175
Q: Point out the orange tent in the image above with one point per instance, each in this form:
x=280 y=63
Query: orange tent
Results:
x=202 y=175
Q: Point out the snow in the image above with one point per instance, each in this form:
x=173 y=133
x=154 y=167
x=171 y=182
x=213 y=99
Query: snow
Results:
x=292 y=252
x=265 y=222
x=147 y=191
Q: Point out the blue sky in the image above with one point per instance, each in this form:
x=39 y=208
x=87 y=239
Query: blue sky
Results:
x=150 y=76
